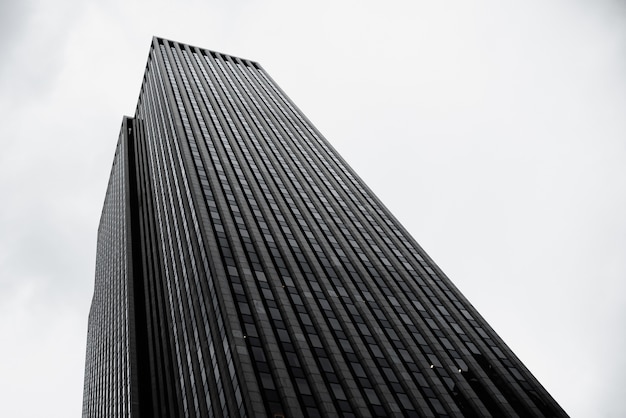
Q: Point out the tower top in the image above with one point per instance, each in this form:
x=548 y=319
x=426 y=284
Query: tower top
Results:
x=157 y=40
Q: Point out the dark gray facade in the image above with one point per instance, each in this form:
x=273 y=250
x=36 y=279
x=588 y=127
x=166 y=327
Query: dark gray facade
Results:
x=243 y=269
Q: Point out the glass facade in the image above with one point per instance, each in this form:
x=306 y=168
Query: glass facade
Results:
x=245 y=270
x=108 y=372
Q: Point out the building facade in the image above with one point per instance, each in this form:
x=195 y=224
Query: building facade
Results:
x=243 y=269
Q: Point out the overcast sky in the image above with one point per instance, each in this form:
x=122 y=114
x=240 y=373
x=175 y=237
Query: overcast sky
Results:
x=495 y=132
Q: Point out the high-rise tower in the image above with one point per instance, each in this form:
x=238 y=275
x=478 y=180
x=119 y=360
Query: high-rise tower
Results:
x=243 y=269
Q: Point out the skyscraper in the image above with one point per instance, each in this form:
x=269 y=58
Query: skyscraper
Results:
x=243 y=269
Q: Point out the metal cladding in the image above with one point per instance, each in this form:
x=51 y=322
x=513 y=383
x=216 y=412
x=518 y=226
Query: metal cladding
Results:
x=243 y=269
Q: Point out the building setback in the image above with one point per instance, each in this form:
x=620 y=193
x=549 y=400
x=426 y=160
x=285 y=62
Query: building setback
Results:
x=243 y=269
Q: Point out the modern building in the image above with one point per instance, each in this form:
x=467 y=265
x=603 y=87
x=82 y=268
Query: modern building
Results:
x=243 y=269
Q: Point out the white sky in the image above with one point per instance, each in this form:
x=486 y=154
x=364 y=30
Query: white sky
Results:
x=496 y=132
